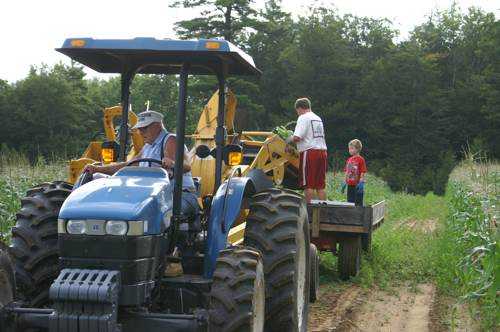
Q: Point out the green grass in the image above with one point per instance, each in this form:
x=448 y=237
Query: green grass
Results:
x=403 y=246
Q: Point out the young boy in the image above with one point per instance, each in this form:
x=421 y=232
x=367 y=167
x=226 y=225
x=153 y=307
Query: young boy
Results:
x=355 y=170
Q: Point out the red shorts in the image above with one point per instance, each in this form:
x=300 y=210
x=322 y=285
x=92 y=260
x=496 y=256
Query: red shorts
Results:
x=313 y=166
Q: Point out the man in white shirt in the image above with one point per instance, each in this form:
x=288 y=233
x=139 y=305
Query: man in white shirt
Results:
x=309 y=136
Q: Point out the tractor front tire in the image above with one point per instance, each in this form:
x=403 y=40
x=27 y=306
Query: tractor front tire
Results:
x=313 y=253
x=278 y=227
x=7 y=279
x=237 y=298
x=349 y=260
x=34 y=246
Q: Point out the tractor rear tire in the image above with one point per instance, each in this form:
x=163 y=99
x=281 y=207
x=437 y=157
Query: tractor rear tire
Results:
x=34 y=246
x=278 y=226
x=314 y=293
x=237 y=298
x=349 y=259
x=7 y=279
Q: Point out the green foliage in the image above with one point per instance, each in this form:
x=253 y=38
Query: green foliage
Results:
x=45 y=109
x=160 y=90
x=218 y=18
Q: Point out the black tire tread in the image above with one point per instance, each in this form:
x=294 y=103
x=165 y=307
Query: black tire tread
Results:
x=314 y=279
x=34 y=249
x=232 y=290
x=271 y=228
x=7 y=278
x=349 y=257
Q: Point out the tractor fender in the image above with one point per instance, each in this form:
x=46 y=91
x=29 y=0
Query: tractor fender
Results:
x=225 y=209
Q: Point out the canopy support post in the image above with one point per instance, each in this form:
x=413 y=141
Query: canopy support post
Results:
x=220 y=132
x=126 y=79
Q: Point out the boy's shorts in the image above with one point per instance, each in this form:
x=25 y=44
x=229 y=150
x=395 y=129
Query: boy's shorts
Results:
x=313 y=165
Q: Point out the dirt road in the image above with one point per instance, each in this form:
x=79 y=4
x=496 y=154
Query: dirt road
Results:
x=400 y=309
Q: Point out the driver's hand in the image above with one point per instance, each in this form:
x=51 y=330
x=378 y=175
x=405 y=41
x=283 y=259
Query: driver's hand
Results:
x=91 y=168
x=167 y=163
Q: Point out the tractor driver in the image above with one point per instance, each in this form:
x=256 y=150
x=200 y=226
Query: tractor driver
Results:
x=161 y=145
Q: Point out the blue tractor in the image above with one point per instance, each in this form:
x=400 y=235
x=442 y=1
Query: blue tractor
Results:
x=94 y=257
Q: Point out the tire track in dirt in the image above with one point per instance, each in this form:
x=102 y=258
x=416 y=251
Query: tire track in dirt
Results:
x=332 y=306
x=401 y=309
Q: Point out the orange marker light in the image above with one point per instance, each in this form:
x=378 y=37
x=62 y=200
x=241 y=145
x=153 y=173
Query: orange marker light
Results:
x=212 y=45
x=78 y=43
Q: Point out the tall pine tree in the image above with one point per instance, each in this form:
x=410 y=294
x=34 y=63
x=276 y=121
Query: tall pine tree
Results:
x=218 y=18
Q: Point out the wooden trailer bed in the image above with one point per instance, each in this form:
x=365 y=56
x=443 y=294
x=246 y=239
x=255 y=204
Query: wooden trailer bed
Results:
x=339 y=224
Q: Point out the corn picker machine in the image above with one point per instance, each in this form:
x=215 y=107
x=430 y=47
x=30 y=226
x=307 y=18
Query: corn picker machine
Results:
x=99 y=256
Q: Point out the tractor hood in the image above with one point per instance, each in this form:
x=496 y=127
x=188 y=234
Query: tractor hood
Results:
x=133 y=193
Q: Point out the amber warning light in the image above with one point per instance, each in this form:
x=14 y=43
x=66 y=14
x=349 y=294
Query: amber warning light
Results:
x=78 y=43
x=212 y=45
x=235 y=158
x=109 y=152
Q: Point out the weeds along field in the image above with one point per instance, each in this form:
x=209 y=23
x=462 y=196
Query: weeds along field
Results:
x=16 y=177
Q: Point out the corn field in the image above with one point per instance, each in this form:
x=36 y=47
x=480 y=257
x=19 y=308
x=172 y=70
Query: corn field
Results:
x=469 y=251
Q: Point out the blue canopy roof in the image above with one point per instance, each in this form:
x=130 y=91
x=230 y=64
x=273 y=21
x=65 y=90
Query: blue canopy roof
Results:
x=159 y=56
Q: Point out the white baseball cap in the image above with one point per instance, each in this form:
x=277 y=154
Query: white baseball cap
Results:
x=148 y=117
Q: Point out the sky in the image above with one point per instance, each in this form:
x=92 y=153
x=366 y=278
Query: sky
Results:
x=31 y=29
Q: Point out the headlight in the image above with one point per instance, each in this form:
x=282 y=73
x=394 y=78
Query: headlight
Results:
x=76 y=227
x=115 y=227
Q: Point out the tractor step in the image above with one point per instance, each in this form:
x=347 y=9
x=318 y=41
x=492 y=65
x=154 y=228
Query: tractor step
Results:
x=189 y=280
x=85 y=300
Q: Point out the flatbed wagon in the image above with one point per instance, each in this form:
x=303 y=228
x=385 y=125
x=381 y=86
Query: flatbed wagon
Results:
x=350 y=227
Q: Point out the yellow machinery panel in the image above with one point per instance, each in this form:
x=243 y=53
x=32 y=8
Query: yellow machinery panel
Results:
x=205 y=135
x=93 y=152
x=272 y=156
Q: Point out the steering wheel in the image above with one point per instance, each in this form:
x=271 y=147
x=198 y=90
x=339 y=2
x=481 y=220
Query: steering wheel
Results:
x=85 y=177
x=145 y=160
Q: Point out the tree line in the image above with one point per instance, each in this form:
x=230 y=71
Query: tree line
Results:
x=415 y=103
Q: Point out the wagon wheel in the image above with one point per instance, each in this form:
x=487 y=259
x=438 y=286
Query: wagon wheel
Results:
x=349 y=257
